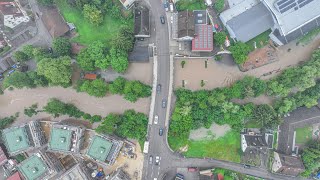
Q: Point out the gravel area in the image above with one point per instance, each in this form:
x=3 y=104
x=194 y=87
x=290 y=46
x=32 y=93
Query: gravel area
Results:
x=215 y=131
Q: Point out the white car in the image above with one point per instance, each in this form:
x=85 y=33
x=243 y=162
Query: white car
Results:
x=156 y=118
x=157 y=160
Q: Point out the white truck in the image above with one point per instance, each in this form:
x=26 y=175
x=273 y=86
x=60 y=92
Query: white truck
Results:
x=171 y=7
x=146 y=147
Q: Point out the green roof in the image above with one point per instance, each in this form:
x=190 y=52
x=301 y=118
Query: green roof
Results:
x=33 y=167
x=16 y=139
x=60 y=139
x=99 y=148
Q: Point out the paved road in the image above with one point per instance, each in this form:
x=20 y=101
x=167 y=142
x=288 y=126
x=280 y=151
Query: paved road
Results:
x=169 y=160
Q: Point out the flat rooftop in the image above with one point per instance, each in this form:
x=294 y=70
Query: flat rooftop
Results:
x=33 y=168
x=60 y=139
x=99 y=148
x=16 y=139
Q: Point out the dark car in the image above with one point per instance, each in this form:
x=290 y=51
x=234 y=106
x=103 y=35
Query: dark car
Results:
x=160 y=132
x=158 y=88
x=162 y=19
x=164 y=103
x=246 y=166
x=150 y=159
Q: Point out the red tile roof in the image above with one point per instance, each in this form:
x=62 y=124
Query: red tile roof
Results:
x=90 y=76
x=203 y=40
x=220 y=177
x=15 y=176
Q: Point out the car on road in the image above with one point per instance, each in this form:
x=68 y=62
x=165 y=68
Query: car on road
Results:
x=165 y=5
x=156 y=118
x=150 y=159
x=158 y=88
x=246 y=166
x=162 y=20
x=160 y=132
x=164 y=103
x=157 y=160
x=179 y=176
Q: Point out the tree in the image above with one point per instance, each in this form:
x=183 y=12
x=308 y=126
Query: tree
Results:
x=220 y=37
x=86 y=116
x=57 y=108
x=93 y=57
x=92 y=14
x=219 y=5
x=117 y=86
x=20 y=56
x=135 y=89
x=61 y=46
x=46 y=2
x=97 y=88
x=28 y=50
x=95 y=118
x=240 y=52
x=38 y=80
x=311 y=158
x=119 y=60
x=56 y=70
x=123 y=41
x=32 y=110
x=4 y=122
x=266 y=115
x=39 y=54
x=18 y=80
x=109 y=124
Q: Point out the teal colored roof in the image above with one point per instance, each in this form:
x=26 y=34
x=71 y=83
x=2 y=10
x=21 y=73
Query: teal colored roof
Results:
x=60 y=139
x=99 y=148
x=33 y=168
x=16 y=139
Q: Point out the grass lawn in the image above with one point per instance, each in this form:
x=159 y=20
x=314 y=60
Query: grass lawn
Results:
x=303 y=135
x=88 y=32
x=261 y=40
x=224 y=148
x=190 y=5
x=253 y=124
x=310 y=36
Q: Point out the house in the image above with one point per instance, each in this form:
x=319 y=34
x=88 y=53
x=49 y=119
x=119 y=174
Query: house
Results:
x=90 y=76
x=23 y=138
x=54 y=22
x=6 y=64
x=76 y=172
x=286 y=164
x=185 y=24
x=141 y=22
x=104 y=149
x=13 y=14
x=127 y=3
x=3 y=157
x=287 y=19
x=120 y=175
x=15 y=176
x=252 y=138
x=65 y=138
x=10 y=167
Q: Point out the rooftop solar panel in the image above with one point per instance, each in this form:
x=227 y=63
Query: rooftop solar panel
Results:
x=283 y=5
x=304 y=3
x=288 y=8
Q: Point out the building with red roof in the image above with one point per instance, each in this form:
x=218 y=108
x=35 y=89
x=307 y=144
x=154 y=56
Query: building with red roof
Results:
x=203 y=39
x=15 y=176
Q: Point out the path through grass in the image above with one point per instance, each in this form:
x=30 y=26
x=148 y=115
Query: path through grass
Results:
x=88 y=32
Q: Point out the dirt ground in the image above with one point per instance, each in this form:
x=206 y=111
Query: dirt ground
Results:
x=214 y=132
x=132 y=166
x=225 y=72
x=18 y=99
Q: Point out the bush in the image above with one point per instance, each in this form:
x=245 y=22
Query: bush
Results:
x=240 y=52
x=61 y=46
x=95 y=118
x=32 y=110
x=4 y=122
x=97 y=88
x=219 y=6
x=57 y=108
x=86 y=116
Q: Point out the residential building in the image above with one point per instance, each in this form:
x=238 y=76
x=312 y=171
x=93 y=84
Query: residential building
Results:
x=185 y=24
x=10 y=167
x=286 y=164
x=6 y=64
x=127 y=3
x=54 y=22
x=3 y=157
x=15 y=176
x=287 y=19
x=252 y=138
x=76 y=172
x=104 y=149
x=120 y=175
x=34 y=168
x=23 y=138
x=141 y=22
x=65 y=138
x=13 y=14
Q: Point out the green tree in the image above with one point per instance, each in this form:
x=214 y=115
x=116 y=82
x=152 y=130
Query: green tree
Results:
x=28 y=50
x=93 y=57
x=109 y=124
x=46 y=2
x=92 y=14
x=57 y=108
x=38 y=80
x=4 y=122
x=117 y=86
x=266 y=115
x=86 y=116
x=32 y=110
x=240 y=52
x=119 y=60
x=56 y=70
x=97 y=88
x=220 y=37
x=20 y=56
x=95 y=118
x=18 y=80
x=311 y=158
x=39 y=54
x=135 y=89
x=123 y=41
x=219 y=6
x=61 y=46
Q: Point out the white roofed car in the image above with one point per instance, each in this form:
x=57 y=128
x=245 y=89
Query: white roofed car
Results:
x=156 y=118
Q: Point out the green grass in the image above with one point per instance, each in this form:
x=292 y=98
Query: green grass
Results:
x=190 y=5
x=253 y=124
x=310 y=36
x=224 y=148
x=261 y=40
x=275 y=140
x=88 y=32
x=303 y=135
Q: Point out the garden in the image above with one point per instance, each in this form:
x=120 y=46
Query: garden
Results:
x=303 y=135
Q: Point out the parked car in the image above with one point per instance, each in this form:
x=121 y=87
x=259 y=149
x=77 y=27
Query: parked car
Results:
x=156 y=118
x=160 y=132
x=179 y=176
x=150 y=159
x=158 y=88
x=162 y=20
x=10 y=72
x=192 y=169
x=157 y=160
x=164 y=103
x=246 y=166
x=165 y=5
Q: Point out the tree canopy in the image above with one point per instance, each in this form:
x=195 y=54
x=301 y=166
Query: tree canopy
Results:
x=18 y=80
x=97 y=88
x=266 y=115
x=61 y=46
x=240 y=52
x=311 y=158
x=56 y=70
x=220 y=37
x=20 y=56
x=93 y=56
x=92 y=14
